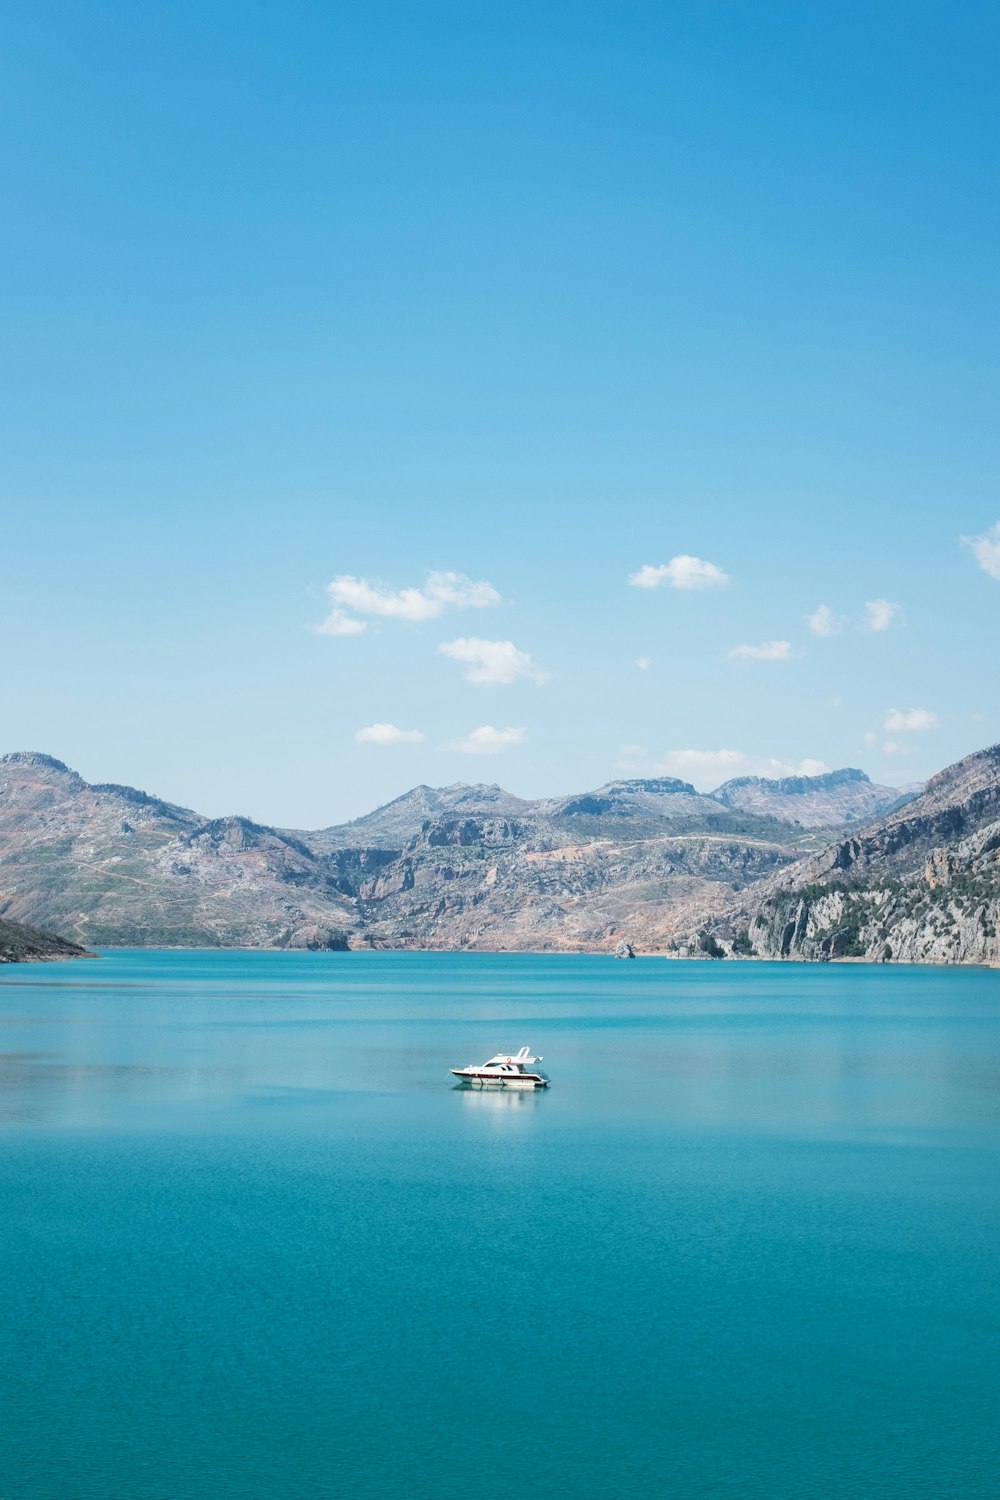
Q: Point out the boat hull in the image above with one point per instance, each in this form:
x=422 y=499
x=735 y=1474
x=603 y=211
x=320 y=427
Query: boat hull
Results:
x=500 y=1081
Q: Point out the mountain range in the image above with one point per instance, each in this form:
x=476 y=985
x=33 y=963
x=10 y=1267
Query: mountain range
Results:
x=818 y=867
x=459 y=866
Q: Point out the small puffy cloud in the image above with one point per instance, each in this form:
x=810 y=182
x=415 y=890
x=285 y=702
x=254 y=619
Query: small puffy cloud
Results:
x=910 y=721
x=442 y=591
x=488 y=741
x=696 y=765
x=823 y=621
x=773 y=767
x=642 y=662
x=768 y=651
x=809 y=767
x=648 y=577
x=894 y=747
x=632 y=759
x=338 y=623
x=387 y=734
x=459 y=592
x=879 y=614
x=681 y=572
x=491 y=661
x=986 y=550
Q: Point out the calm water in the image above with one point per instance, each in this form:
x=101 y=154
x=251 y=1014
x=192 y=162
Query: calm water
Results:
x=255 y=1245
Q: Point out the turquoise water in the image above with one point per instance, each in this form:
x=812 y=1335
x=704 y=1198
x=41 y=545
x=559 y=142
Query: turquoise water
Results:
x=255 y=1244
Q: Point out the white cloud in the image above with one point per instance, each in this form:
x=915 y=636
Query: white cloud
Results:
x=986 y=550
x=912 y=720
x=879 y=614
x=823 y=621
x=707 y=768
x=461 y=592
x=488 y=741
x=337 y=623
x=632 y=759
x=642 y=662
x=491 y=661
x=769 y=651
x=871 y=738
x=893 y=747
x=772 y=767
x=681 y=572
x=387 y=734
x=696 y=765
x=442 y=591
x=809 y=767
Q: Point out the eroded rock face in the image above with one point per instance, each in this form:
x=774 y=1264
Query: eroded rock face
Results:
x=473 y=831
x=318 y=939
x=922 y=885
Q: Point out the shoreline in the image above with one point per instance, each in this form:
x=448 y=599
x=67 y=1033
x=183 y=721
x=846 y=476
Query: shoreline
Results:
x=103 y=950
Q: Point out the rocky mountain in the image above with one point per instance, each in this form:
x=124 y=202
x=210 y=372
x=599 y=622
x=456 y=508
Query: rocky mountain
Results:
x=460 y=866
x=488 y=870
x=826 y=801
x=920 y=884
x=500 y=883
x=107 y=864
x=390 y=827
x=20 y=945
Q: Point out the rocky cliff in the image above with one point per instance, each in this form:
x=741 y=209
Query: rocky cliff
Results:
x=921 y=884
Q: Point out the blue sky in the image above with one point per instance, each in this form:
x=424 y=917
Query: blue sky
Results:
x=535 y=296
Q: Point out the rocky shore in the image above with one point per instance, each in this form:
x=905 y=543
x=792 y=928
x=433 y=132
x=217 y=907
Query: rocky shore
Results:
x=20 y=944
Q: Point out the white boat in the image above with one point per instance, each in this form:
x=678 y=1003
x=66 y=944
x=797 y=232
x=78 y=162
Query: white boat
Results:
x=514 y=1070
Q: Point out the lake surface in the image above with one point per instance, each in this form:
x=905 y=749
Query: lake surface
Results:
x=255 y=1245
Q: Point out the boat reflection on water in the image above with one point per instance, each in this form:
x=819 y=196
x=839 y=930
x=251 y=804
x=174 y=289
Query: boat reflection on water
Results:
x=498 y=1098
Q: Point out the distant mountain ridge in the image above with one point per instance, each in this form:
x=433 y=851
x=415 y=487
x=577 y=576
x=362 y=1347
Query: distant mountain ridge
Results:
x=824 y=801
